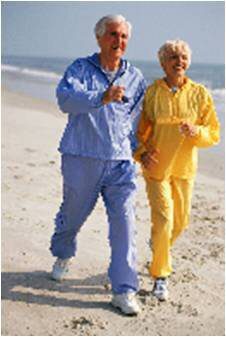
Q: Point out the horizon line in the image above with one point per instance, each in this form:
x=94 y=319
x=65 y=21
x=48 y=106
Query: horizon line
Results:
x=130 y=59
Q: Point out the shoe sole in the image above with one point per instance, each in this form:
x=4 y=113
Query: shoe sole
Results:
x=59 y=279
x=123 y=312
x=56 y=279
x=161 y=299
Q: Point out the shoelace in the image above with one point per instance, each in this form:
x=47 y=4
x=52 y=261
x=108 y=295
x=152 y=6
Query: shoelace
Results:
x=129 y=296
x=160 y=285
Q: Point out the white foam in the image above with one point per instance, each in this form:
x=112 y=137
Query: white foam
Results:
x=218 y=94
x=31 y=72
x=7 y=67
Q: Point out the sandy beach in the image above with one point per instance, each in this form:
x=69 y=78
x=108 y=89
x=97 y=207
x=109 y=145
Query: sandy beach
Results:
x=34 y=305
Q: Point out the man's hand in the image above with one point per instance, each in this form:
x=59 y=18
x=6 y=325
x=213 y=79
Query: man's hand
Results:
x=188 y=129
x=148 y=158
x=114 y=93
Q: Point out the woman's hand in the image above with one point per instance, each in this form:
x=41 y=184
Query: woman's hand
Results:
x=188 y=129
x=148 y=158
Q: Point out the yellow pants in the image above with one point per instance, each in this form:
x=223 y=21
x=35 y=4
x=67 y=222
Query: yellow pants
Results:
x=170 y=202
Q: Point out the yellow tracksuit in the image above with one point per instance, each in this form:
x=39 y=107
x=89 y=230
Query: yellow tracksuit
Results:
x=169 y=183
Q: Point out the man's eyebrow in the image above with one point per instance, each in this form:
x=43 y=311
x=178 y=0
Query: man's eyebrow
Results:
x=115 y=32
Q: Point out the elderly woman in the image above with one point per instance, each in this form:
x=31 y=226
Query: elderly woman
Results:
x=178 y=117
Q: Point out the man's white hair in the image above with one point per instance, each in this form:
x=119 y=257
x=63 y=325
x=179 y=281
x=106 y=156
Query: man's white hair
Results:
x=173 y=45
x=100 y=27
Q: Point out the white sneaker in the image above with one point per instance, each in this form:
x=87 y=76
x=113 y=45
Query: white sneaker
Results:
x=160 y=289
x=60 y=269
x=127 y=303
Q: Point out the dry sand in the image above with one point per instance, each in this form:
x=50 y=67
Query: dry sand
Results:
x=32 y=304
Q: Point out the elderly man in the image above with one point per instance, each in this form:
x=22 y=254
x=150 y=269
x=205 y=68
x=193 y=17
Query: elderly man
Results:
x=102 y=95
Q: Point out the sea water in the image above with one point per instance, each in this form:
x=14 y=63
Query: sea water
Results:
x=33 y=75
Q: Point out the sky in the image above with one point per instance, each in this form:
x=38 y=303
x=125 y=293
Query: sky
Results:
x=65 y=28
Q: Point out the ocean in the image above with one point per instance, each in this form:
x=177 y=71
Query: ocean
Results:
x=38 y=77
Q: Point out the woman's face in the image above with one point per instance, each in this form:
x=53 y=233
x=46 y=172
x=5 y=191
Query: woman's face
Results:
x=176 y=63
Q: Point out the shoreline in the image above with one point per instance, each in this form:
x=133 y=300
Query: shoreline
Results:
x=33 y=304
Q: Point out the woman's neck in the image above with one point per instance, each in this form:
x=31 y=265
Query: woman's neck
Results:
x=175 y=81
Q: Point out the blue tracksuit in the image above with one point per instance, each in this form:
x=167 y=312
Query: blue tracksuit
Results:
x=96 y=152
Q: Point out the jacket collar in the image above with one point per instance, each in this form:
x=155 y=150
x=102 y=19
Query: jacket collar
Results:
x=161 y=82
x=95 y=60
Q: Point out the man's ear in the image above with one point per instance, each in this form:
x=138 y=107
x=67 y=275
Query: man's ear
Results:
x=98 y=40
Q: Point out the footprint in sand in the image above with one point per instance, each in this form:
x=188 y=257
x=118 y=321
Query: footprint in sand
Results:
x=16 y=176
x=27 y=149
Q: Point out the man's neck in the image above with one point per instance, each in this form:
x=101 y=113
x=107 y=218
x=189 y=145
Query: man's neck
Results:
x=109 y=64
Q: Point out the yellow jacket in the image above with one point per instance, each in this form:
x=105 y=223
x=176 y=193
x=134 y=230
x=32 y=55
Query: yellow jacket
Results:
x=158 y=128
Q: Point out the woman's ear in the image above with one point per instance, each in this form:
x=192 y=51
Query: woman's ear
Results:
x=162 y=65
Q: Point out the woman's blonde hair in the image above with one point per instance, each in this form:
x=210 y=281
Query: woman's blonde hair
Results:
x=173 y=45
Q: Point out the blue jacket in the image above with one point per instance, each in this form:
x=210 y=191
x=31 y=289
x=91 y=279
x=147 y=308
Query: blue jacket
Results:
x=95 y=130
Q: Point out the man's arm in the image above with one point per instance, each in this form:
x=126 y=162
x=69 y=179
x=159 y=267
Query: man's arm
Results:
x=135 y=113
x=73 y=95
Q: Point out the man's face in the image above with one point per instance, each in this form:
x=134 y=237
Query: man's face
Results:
x=176 y=63
x=114 y=41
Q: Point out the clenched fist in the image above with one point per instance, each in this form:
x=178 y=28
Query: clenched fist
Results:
x=114 y=93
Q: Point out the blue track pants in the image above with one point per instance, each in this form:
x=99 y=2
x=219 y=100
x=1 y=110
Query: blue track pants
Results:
x=84 y=179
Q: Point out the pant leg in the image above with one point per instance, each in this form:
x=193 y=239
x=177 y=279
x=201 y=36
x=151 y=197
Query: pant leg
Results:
x=182 y=195
x=81 y=186
x=118 y=194
x=161 y=203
